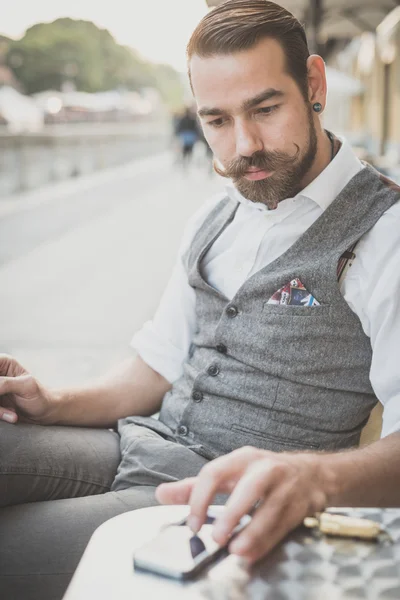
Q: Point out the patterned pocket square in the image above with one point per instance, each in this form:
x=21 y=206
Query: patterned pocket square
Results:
x=293 y=294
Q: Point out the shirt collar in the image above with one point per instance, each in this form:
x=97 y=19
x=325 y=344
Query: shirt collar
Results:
x=322 y=190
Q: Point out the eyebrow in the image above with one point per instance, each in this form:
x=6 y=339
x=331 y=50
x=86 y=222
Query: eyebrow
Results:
x=246 y=105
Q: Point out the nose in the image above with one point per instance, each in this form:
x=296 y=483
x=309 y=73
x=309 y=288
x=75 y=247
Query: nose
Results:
x=248 y=140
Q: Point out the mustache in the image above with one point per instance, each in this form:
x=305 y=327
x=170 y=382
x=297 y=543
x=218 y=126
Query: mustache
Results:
x=264 y=161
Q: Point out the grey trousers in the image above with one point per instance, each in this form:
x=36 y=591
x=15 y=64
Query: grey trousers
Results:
x=55 y=487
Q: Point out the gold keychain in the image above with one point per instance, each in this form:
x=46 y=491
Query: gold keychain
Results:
x=345 y=526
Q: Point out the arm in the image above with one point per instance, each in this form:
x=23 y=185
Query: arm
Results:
x=290 y=487
x=368 y=476
x=132 y=388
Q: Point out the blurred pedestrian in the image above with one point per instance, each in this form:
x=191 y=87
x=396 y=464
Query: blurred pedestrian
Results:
x=187 y=132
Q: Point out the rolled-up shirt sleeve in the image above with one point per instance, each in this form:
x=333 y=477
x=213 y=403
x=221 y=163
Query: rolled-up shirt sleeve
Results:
x=164 y=342
x=375 y=282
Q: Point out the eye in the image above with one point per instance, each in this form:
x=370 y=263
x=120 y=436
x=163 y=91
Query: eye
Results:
x=216 y=122
x=267 y=110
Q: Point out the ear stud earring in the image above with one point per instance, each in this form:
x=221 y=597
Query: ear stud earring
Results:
x=317 y=106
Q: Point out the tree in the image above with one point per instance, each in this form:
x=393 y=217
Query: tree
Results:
x=169 y=83
x=76 y=51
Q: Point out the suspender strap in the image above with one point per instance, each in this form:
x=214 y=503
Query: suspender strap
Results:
x=343 y=263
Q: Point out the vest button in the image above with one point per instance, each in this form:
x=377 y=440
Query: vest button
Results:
x=197 y=396
x=182 y=430
x=213 y=370
x=221 y=348
x=232 y=312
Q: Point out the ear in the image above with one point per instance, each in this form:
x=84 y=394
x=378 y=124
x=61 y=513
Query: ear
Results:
x=316 y=80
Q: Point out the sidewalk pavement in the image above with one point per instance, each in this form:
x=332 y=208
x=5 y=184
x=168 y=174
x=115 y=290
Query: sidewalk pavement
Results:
x=48 y=193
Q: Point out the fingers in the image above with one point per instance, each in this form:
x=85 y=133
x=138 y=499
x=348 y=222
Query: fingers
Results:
x=16 y=385
x=177 y=492
x=8 y=415
x=251 y=476
x=254 y=484
x=22 y=386
x=220 y=475
x=10 y=367
x=274 y=519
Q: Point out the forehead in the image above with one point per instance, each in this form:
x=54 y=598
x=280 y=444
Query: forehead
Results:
x=231 y=78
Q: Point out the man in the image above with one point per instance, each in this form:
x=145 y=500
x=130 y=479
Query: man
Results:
x=264 y=359
x=187 y=133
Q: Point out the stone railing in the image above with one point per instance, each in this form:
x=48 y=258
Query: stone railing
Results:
x=59 y=152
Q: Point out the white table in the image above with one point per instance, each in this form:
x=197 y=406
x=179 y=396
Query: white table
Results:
x=106 y=572
x=303 y=567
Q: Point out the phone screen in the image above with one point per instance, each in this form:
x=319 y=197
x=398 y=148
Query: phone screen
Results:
x=176 y=552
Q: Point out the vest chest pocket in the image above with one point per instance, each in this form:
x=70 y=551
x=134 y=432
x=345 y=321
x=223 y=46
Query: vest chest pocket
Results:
x=288 y=327
x=294 y=341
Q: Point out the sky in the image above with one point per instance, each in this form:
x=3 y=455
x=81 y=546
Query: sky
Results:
x=158 y=29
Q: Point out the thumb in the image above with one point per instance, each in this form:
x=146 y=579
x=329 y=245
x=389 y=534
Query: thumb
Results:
x=177 y=492
x=8 y=415
x=21 y=385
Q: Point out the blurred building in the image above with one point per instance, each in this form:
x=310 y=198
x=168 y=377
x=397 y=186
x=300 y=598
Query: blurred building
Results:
x=343 y=90
x=111 y=106
x=374 y=58
x=19 y=113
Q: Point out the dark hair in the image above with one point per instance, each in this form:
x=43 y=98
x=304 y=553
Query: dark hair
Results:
x=239 y=25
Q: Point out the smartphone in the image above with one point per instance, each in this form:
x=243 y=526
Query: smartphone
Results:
x=179 y=554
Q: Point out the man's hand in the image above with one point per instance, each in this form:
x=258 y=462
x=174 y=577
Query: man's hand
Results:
x=21 y=395
x=285 y=486
x=131 y=388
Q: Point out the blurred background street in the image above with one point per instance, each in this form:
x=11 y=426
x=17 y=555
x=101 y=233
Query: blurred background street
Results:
x=93 y=192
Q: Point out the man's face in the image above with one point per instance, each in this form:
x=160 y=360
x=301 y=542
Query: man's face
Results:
x=256 y=121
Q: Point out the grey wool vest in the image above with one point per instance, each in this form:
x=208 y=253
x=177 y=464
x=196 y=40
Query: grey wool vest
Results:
x=279 y=377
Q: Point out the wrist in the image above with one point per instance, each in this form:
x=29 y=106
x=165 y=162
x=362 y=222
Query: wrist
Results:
x=326 y=478
x=54 y=399
x=337 y=474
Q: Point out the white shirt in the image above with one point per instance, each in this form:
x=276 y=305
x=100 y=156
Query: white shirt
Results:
x=258 y=236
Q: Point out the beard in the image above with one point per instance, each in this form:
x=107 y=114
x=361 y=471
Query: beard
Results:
x=289 y=171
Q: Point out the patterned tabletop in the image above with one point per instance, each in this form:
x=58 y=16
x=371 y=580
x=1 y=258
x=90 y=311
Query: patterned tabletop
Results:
x=309 y=566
